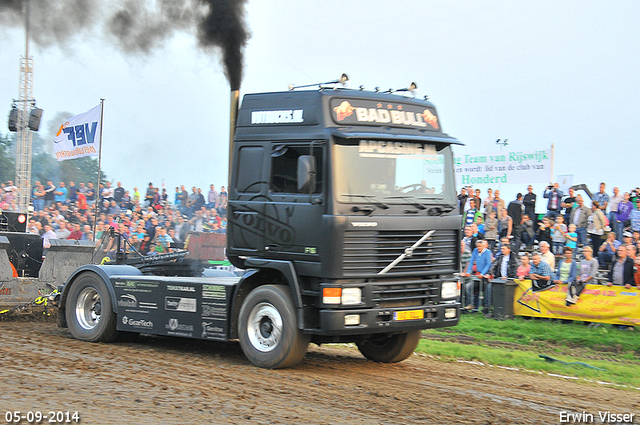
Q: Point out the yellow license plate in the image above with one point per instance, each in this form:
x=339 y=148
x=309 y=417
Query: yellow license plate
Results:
x=408 y=315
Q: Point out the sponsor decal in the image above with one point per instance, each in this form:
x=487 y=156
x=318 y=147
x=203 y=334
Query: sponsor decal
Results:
x=180 y=304
x=355 y=111
x=176 y=328
x=5 y=291
x=134 y=286
x=141 y=323
x=287 y=116
x=214 y=310
x=216 y=292
x=128 y=300
x=179 y=288
x=211 y=331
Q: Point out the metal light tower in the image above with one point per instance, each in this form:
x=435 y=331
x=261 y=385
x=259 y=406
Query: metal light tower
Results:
x=24 y=136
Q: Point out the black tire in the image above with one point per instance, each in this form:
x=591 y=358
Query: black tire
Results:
x=89 y=313
x=267 y=328
x=390 y=348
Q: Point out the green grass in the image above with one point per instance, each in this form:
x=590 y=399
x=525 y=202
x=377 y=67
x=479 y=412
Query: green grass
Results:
x=518 y=343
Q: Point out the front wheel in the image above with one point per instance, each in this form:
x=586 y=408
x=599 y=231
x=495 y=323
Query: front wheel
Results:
x=390 y=348
x=88 y=312
x=267 y=328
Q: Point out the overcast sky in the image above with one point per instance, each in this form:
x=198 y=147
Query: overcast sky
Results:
x=535 y=72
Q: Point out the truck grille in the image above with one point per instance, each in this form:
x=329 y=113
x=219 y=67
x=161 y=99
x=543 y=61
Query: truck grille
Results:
x=406 y=293
x=367 y=253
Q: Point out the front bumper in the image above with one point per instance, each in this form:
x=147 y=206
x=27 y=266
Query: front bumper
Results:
x=381 y=320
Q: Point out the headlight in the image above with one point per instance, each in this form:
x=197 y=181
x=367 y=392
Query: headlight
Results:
x=351 y=296
x=346 y=296
x=450 y=290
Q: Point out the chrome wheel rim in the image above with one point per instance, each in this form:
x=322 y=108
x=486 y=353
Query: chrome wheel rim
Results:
x=264 y=327
x=88 y=309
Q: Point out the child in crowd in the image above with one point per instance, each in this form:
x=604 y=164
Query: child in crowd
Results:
x=491 y=230
x=480 y=224
x=572 y=237
x=558 y=235
x=524 y=268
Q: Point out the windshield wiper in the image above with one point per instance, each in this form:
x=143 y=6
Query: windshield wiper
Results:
x=371 y=199
x=441 y=208
x=409 y=200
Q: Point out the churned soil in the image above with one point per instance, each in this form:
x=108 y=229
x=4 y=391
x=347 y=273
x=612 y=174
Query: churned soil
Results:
x=161 y=380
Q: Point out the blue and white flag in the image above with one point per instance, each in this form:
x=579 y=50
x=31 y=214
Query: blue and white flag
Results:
x=79 y=136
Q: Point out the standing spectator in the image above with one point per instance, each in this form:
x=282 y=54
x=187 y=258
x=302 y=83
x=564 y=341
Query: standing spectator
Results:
x=540 y=274
x=568 y=204
x=176 y=198
x=558 y=235
x=505 y=266
x=471 y=213
x=61 y=193
x=38 y=197
x=615 y=201
x=608 y=250
x=212 y=197
x=587 y=274
x=108 y=193
x=136 y=197
x=634 y=217
x=199 y=200
x=528 y=230
x=529 y=202
x=148 y=197
x=481 y=260
x=462 y=200
x=602 y=198
x=514 y=210
x=554 y=194
x=49 y=196
x=505 y=225
x=90 y=194
x=595 y=225
x=572 y=238
x=478 y=201
x=580 y=217
x=491 y=230
x=118 y=193
x=623 y=216
x=191 y=201
x=498 y=203
x=72 y=196
x=184 y=198
x=487 y=203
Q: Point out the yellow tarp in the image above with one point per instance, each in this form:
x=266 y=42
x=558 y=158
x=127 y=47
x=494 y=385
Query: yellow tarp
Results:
x=597 y=303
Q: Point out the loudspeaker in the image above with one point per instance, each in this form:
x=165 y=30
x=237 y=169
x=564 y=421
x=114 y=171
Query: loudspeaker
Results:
x=25 y=252
x=13 y=119
x=34 y=119
x=13 y=222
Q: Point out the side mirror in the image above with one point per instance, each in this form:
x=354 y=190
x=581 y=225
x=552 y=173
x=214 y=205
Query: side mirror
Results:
x=306 y=174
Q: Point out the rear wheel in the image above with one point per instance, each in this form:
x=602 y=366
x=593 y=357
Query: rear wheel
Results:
x=267 y=328
x=88 y=310
x=390 y=348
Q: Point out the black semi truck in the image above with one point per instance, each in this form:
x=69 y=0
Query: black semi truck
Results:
x=342 y=211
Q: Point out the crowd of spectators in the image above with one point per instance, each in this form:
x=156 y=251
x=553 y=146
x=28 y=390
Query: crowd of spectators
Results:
x=151 y=223
x=568 y=244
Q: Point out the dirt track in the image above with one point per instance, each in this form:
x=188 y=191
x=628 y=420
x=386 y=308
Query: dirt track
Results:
x=171 y=381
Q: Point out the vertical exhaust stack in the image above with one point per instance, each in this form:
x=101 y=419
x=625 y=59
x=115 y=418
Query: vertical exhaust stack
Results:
x=233 y=117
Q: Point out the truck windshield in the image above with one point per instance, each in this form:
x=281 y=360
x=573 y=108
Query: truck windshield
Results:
x=393 y=172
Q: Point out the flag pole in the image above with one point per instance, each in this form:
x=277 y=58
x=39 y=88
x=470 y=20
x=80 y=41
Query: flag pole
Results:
x=97 y=194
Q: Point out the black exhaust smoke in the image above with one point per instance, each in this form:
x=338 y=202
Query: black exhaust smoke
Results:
x=140 y=27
